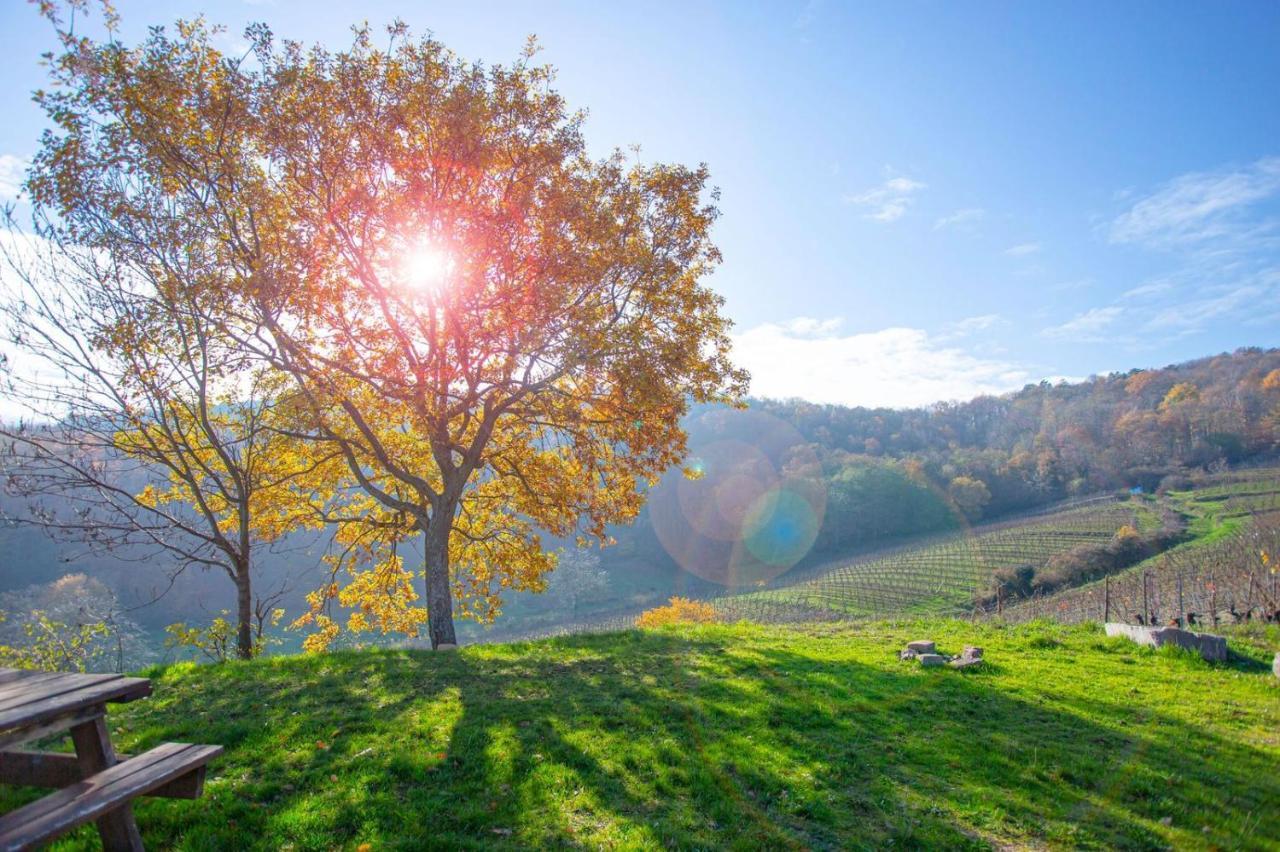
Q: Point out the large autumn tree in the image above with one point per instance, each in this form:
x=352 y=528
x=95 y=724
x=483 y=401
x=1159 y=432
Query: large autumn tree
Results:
x=497 y=331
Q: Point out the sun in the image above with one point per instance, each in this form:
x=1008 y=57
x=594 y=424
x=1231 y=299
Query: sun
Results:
x=426 y=266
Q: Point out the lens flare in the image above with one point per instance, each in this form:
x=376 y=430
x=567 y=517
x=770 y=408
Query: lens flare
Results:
x=754 y=506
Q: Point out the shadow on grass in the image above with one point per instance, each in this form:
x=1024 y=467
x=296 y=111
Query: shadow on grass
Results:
x=648 y=740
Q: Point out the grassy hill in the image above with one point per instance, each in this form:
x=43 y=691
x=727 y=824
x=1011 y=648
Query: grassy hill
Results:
x=742 y=736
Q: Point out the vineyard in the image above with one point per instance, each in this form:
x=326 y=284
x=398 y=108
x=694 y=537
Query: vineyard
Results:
x=1226 y=574
x=941 y=577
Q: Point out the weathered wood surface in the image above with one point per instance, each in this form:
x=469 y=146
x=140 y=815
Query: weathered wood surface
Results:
x=59 y=769
x=32 y=699
x=105 y=793
x=94 y=753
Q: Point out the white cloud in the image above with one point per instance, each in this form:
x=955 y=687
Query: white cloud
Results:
x=973 y=325
x=1201 y=206
x=893 y=367
x=888 y=201
x=1085 y=327
x=1147 y=290
x=1023 y=250
x=960 y=218
x=810 y=327
x=12 y=171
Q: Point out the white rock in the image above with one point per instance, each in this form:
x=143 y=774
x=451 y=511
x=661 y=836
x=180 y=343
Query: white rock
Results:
x=922 y=646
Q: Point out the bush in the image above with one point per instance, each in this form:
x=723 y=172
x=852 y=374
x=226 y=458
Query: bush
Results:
x=678 y=611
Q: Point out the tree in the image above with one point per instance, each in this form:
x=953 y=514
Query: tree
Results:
x=969 y=495
x=149 y=433
x=72 y=624
x=497 y=333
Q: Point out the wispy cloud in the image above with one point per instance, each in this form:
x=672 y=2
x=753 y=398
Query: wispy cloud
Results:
x=1023 y=250
x=962 y=218
x=1086 y=327
x=1191 y=316
x=1146 y=291
x=12 y=171
x=891 y=367
x=973 y=325
x=1198 y=207
x=808 y=13
x=888 y=201
x=1221 y=228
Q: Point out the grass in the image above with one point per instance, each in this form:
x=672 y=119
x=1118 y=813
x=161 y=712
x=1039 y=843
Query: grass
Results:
x=725 y=736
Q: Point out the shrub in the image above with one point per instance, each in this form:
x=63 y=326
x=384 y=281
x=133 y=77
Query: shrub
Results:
x=678 y=611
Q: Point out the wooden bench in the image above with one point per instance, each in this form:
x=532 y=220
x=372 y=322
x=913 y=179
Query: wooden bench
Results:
x=96 y=784
x=104 y=792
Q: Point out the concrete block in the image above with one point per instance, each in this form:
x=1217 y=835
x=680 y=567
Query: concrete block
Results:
x=923 y=646
x=1213 y=648
x=931 y=660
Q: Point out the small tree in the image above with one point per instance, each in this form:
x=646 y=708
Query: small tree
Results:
x=147 y=433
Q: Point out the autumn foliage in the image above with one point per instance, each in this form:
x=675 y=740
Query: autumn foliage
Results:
x=678 y=611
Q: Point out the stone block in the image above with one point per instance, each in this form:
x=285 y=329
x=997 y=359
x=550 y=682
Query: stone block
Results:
x=931 y=660
x=922 y=646
x=1213 y=648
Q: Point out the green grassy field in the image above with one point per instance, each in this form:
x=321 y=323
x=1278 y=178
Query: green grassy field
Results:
x=726 y=736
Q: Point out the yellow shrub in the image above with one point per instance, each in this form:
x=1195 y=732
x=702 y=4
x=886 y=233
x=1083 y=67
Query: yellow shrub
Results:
x=678 y=611
x=1126 y=534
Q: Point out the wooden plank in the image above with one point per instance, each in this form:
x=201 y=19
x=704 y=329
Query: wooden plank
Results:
x=49 y=726
x=7 y=674
x=39 y=769
x=35 y=682
x=106 y=791
x=94 y=753
x=114 y=690
x=58 y=769
x=26 y=692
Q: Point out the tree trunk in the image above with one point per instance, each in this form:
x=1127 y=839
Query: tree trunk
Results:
x=439 y=591
x=244 y=614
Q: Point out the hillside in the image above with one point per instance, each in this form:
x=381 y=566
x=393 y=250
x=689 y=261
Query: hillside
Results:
x=726 y=735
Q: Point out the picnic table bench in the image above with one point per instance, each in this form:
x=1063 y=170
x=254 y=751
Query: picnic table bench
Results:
x=95 y=784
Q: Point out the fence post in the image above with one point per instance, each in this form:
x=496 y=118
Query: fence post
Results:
x=1106 y=600
x=1146 y=612
x=1182 y=610
x=1213 y=600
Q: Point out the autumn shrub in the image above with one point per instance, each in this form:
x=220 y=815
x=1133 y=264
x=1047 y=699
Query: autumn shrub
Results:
x=678 y=611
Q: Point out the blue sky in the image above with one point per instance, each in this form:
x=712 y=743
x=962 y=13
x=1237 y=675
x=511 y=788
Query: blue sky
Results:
x=921 y=201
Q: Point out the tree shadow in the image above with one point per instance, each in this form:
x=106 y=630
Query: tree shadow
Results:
x=662 y=739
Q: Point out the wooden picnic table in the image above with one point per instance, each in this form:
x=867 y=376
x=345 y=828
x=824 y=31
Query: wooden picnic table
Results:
x=94 y=784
